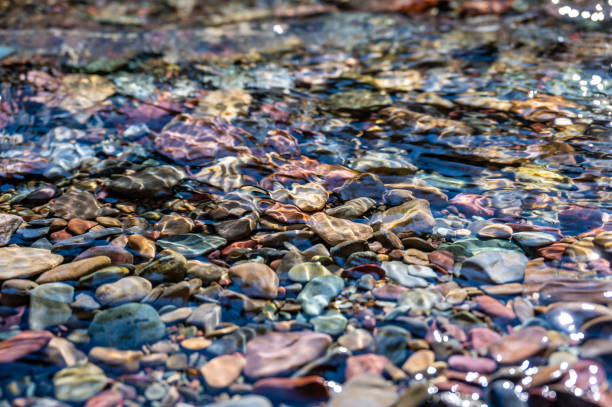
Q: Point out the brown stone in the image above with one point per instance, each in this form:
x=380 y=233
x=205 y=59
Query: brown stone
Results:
x=255 y=279
x=75 y=270
x=419 y=361
x=223 y=370
x=335 y=230
x=79 y=226
x=142 y=246
x=519 y=345
x=23 y=344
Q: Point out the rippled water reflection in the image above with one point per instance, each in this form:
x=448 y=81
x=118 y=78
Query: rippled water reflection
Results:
x=306 y=203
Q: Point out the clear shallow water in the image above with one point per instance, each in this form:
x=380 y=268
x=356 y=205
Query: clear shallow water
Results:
x=473 y=152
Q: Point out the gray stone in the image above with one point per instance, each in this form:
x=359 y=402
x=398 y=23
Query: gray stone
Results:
x=50 y=305
x=8 y=226
x=206 y=316
x=127 y=326
x=495 y=266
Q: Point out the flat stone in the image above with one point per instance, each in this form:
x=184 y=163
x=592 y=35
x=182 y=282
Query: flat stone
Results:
x=236 y=229
x=141 y=246
x=366 y=389
x=318 y=292
x=150 y=182
x=50 y=305
x=307 y=271
x=279 y=353
x=495 y=266
x=206 y=316
x=244 y=401
x=367 y=363
x=192 y=244
x=8 y=226
x=125 y=290
x=472 y=364
x=23 y=344
x=401 y=274
x=125 y=360
x=335 y=230
x=534 y=240
x=223 y=370
x=419 y=361
x=255 y=279
x=169 y=266
x=413 y=216
x=116 y=254
x=520 y=345
x=469 y=247
x=332 y=323
x=207 y=272
x=75 y=204
x=79 y=226
x=352 y=209
x=74 y=271
x=127 y=326
x=495 y=231
x=196 y=343
x=26 y=262
x=355 y=340
x=79 y=383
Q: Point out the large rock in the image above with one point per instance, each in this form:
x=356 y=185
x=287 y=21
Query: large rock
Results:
x=50 y=305
x=367 y=389
x=74 y=270
x=23 y=344
x=412 y=216
x=75 y=204
x=8 y=226
x=335 y=230
x=150 y=182
x=495 y=266
x=278 y=353
x=255 y=279
x=26 y=262
x=125 y=290
x=79 y=383
x=127 y=326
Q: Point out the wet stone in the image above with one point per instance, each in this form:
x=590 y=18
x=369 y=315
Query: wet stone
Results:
x=222 y=371
x=75 y=204
x=22 y=344
x=279 y=353
x=125 y=290
x=495 y=266
x=365 y=389
x=50 y=305
x=307 y=271
x=15 y=293
x=255 y=279
x=335 y=230
x=74 y=270
x=25 y=262
x=363 y=186
x=232 y=230
x=352 y=209
x=79 y=383
x=8 y=226
x=192 y=244
x=169 y=266
x=127 y=326
x=332 y=323
x=152 y=182
x=520 y=345
x=355 y=340
x=391 y=341
x=308 y=389
x=414 y=216
x=174 y=224
x=206 y=316
x=318 y=292
x=401 y=274
x=207 y=272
